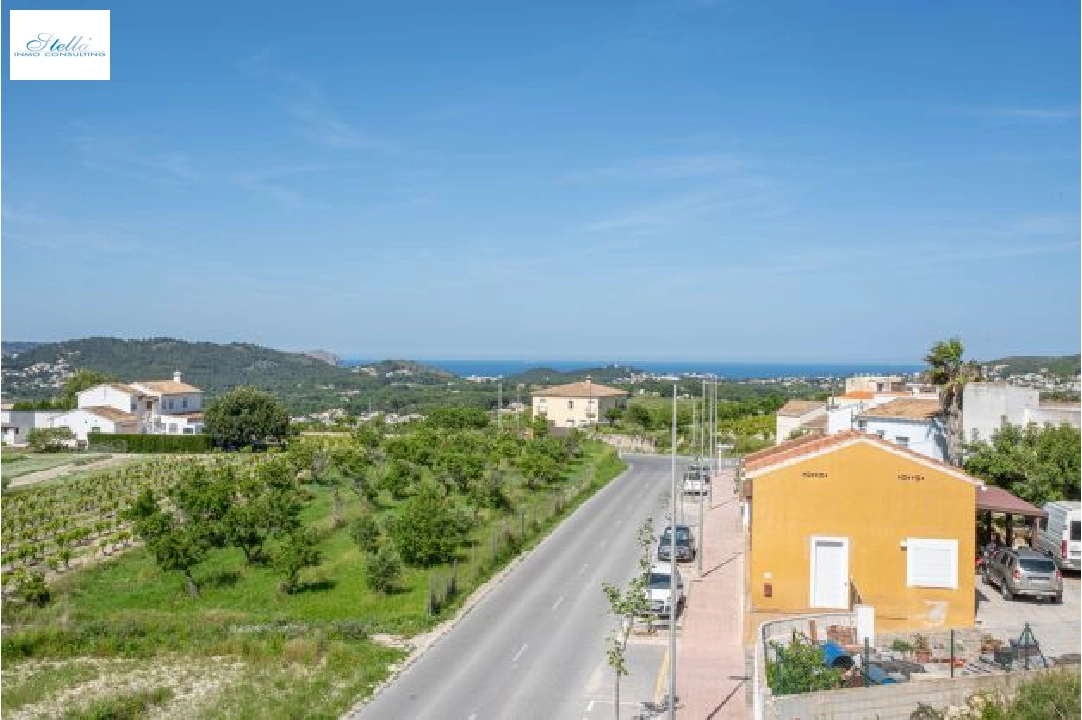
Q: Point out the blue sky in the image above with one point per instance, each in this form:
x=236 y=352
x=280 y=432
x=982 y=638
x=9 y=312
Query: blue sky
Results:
x=680 y=179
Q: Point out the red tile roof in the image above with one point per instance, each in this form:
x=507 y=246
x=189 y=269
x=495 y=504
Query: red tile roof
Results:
x=580 y=390
x=905 y=409
x=757 y=463
x=796 y=408
x=996 y=499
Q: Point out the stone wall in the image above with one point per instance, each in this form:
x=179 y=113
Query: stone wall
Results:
x=889 y=702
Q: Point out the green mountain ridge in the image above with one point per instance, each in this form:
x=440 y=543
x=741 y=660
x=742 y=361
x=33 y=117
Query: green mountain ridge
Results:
x=1061 y=365
x=300 y=380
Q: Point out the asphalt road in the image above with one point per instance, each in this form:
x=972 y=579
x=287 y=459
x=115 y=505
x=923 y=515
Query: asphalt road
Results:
x=530 y=649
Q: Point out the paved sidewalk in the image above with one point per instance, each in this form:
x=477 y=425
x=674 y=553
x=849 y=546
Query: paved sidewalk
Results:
x=710 y=658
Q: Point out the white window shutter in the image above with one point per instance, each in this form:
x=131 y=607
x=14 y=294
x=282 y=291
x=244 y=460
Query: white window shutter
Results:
x=932 y=563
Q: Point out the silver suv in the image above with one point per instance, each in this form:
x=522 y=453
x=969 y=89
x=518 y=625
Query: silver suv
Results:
x=1024 y=571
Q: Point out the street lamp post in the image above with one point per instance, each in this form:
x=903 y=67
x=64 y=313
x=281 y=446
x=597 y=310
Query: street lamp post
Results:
x=672 y=573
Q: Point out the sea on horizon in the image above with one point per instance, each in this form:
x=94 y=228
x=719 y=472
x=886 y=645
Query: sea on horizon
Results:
x=730 y=370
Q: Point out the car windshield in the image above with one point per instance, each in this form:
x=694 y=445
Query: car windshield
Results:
x=1037 y=565
x=659 y=581
x=1076 y=531
x=681 y=538
x=682 y=533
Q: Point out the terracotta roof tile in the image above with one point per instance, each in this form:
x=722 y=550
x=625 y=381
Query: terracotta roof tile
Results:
x=580 y=390
x=907 y=409
x=811 y=444
x=111 y=413
x=168 y=387
x=796 y=408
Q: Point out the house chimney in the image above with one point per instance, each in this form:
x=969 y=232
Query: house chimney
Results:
x=176 y=376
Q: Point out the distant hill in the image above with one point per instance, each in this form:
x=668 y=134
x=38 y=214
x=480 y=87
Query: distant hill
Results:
x=13 y=347
x=1064 y=366
x=301 y=381
x=327 y=357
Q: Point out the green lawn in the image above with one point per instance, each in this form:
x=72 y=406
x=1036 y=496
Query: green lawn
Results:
x=306 y=654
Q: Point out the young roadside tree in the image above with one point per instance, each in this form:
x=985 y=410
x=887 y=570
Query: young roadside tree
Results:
x=426 y=530
x=537 y=466
x=246 y=417
x=296 y=552
x=383 y=568
x=626 y=606
x=613 y=415
x=178 y=547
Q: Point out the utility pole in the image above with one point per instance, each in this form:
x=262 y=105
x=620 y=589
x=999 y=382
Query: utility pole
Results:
x=702 y=486
x=672 y=574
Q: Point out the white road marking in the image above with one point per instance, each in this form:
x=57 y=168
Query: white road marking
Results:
x=472 y=717
x=582 y=569
x=557 y=603
x=519 y=653
x=590 y=707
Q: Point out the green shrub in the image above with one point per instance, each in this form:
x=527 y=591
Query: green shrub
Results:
x=383 y=568
x=49 y=440
x=133 y=443
x=426 y=530
x=33 y=589
x=799 y=668
x=128 y=706
x=365 y=532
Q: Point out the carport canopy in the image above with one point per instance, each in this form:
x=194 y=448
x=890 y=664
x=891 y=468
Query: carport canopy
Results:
x=995 y=499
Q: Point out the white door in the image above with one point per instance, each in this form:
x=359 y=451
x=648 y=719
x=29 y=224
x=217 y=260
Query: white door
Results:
x=830 y=573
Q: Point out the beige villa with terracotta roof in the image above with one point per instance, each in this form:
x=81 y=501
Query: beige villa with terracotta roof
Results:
x=578 y=404
x=800 y=417
x=157 y=407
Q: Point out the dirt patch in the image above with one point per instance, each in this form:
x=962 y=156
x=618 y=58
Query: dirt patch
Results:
x=194 y=682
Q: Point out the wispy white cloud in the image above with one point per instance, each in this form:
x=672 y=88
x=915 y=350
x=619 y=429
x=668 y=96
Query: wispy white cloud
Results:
x=55 y=233
x=665 y=168
x=140 y=158
x=1024 y=114
x=660 y=215
x=304 y=101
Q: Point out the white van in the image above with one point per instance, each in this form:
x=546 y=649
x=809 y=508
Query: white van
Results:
x=1060 y=534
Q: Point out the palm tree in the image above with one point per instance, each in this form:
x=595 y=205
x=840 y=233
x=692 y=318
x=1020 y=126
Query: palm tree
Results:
x=950 y=373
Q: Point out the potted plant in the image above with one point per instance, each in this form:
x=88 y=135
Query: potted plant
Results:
x=901 y=646
x=922 y=647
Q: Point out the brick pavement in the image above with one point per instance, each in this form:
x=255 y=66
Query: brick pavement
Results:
x=710 y=667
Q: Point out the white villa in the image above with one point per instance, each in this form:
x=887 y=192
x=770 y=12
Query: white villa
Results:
x=148 y=407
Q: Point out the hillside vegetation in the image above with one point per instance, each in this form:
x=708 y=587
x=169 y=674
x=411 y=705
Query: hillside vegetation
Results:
x=304 y=383
x=1063 y=366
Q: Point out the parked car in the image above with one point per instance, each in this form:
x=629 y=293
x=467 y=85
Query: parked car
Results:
x=685 y=544
x=659 y=590
x=696 y=481
x=1024 y=571
x=1060 y=534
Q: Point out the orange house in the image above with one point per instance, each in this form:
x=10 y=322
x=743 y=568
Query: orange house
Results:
x=848 y=517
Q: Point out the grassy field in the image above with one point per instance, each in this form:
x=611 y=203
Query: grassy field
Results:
x=16 y=464
x=244 y=649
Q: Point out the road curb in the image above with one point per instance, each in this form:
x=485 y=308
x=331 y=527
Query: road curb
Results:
x=433 y=636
